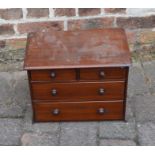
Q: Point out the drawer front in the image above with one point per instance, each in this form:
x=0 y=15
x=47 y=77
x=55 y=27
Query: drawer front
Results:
x=103 y=73
x=77 y=111
x=78 y=91
x=53 y=75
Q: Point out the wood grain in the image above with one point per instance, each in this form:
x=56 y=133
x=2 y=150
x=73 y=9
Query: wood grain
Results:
x=78 y=111
x=77 y=49
x=85 y=74
x=62 y=75
x=110 y=73
x=78 y=91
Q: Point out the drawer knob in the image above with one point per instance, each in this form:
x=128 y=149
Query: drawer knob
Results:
x=101 y=91
x=102 y=74
x=54 y=92
x=53 y=74
x=101 y=111
x=56 y=112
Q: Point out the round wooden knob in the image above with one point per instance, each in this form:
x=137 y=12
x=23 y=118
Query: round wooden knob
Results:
x=54 y=92
x=102 y=74
x=53 y=74
x=55 y=111
x=101 y=91
x=101 y=111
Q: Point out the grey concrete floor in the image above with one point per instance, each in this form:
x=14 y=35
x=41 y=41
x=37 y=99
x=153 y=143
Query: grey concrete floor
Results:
x=16 y=126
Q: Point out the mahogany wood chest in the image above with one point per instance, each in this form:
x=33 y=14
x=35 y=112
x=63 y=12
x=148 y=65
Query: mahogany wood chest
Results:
x=78 y=75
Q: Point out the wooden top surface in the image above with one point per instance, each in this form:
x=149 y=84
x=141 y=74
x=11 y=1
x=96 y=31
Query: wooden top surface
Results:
x=77 y=49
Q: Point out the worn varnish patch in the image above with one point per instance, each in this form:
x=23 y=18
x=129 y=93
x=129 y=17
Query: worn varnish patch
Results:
x=77 y=49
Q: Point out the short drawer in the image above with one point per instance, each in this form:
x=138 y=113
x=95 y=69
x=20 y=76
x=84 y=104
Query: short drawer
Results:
x=78 y=111
x=103 y=73
x=78 y=91
x=53 y=75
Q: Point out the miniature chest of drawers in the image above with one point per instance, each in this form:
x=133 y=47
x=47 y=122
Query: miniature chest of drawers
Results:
x=78 y=75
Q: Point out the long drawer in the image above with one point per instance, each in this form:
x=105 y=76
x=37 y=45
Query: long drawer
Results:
x=78 y=91
x=81 y=111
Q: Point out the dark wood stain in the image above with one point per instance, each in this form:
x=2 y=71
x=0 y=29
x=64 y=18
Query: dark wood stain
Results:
x=78 y=111
x=78 y=75
x=78 y=91
x=125 y=92
x=60 y=75
x=77 y=49
x=110 y=73
x=85 y=74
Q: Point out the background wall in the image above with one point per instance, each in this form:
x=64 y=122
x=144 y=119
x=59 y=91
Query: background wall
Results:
x=15 y=23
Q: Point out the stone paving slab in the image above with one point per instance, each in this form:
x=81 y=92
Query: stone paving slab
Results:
x=10 y=131
x=117 y=129
x=21 y=93
x=6 y=94
x=40 y=139
x=144 y=107
x=152 y=89
x=129 y=116
x=149 y=70
x=146 y=134
x=15 y=94
x=29 y=126
x=137 y=82
x=79 y=133
x=116 y=142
